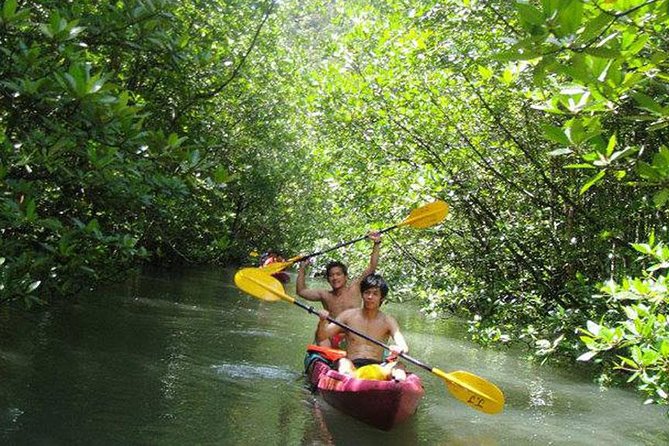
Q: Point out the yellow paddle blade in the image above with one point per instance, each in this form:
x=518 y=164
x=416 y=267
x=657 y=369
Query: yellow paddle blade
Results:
x=275 y=267
x=279 y=266
x=426 y=216
x=473 y=390
x=260 y=284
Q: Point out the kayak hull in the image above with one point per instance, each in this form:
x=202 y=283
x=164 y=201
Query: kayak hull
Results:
x=382 y=404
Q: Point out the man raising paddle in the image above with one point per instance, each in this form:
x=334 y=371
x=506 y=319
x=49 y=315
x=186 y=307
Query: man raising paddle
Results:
x=342 y=296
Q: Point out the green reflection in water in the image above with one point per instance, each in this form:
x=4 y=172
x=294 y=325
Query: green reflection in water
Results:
x=185 y=358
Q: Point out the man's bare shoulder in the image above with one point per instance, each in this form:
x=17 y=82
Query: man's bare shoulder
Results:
x=389 y=321
x=386 y=316
x=350 y=313
x=353 y=289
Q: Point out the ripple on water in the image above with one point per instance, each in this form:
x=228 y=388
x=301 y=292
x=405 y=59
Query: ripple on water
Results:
x=243 y=370
x=12 y=414
x=540 y=400
x=165 y=304
x=253 y=333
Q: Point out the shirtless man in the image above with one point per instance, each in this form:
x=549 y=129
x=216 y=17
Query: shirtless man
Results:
x=368 y=320
x=342 y=296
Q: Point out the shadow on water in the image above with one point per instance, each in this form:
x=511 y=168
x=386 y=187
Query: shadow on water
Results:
x=183 y=357
x=331 y=427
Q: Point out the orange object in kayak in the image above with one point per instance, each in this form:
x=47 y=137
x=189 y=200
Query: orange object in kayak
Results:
x=331 y=354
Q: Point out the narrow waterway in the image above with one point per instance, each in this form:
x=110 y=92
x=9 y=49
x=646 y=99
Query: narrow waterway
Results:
x=175 y=358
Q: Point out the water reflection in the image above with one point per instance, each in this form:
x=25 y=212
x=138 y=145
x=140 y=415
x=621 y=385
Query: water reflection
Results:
x=183 y=357
x=331 y=427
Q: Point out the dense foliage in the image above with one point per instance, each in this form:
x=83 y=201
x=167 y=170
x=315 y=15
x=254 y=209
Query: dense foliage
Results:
x=164 y=131
x=543 y=125
x=133 y=130
x=601 y=69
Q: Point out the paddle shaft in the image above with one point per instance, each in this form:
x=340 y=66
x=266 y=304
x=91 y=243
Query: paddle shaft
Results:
x=340 y=245
x=421 y=217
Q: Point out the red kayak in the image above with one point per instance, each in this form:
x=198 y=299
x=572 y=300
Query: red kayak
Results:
x=382 y=404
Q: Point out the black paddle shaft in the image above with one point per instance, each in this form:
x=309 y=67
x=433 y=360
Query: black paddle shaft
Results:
x=312 y=310
x=341 y=245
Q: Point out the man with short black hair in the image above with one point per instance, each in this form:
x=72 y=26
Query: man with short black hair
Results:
x=369 y=320
x=342 y=296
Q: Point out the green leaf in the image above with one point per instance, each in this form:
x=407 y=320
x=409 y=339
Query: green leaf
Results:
x=194 y=157
x=661 y=124
x=643 y=248
x=587 y=340
x=555 y=134
x=93 y=227
x=75 y=31
x=612 y=145
x=605 y=53
x=507 y=76
x=648 y=327
x=8 y=10
x=661 y=160
x=579 y=166
x=52 y=224
x=174 y=141
x=638 y=43
x=485 y=72
x=629 y=362
x=664 y=348
x=647 y=171
x=594 y=28
x=529 y=16
x=44 y=28
x=630 y=312
x=650 y=357
x=661 y=198
x=606 y=334
x=647 y=103
x=31 y=213
x=592 y=181
x=221 y=174
x=570 y=15
x=622 y=153
x=620 y=174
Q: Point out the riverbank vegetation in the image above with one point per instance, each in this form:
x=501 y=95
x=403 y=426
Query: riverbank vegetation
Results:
x=165 y=132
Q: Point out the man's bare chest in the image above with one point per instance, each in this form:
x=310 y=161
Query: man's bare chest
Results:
x=336 y=304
